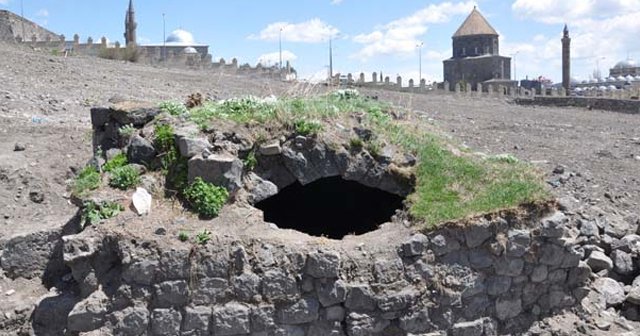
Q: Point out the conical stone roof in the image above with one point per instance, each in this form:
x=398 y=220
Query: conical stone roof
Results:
x=475 y=24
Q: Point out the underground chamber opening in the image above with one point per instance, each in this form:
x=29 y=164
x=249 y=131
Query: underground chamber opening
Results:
x=330 y=207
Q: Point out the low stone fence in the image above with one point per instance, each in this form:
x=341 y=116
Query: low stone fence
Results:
x=608 y=104
x=492 y=275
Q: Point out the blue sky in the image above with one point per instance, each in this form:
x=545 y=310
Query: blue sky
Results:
x=369 y=35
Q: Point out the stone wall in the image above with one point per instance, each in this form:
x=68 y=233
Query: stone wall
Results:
x=493 y=275
x=12 y=25
x=608 y=104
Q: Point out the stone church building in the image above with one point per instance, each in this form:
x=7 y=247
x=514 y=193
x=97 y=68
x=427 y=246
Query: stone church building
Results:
x=476 y=55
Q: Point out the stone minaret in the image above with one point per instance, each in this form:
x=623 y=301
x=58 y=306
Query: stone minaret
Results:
x=566 y=59
x=130 y=26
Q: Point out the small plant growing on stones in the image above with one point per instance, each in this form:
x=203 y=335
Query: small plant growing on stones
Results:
x=205 y=198
x=183 y=236
x=250 y=162
x=117 y=161
x=88 y=179
x=165 y=143
x=124 y=177
x=356 y=143
x=174 y=108
x=203 y=237
x=126 y=132
x=306 y=127
x=93 y=213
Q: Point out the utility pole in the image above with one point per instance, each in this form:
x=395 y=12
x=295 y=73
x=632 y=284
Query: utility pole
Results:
x=515 y=65
x=330 y=61
x=24 y=38
x=419 y=46
x=164 y=38
x=280 y=48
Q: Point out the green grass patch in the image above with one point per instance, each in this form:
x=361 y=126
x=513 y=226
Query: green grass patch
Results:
x=88 y=179
x=205 y=198
x=165 y=144
x=124 y=177
x=448 y=186
x=118 y=161
x=174 y=108
x=93 y=213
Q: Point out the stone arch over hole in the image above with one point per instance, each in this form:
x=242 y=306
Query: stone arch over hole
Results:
x=331 y=206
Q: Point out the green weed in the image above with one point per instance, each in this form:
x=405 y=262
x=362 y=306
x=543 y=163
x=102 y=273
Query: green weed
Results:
x=88 y=179
x=93 y=213
x=306 y=127
x=124 y=177
x=117 y=161
x=203 y=237
x=205 y=198
x=174 y=108
x=183 y=236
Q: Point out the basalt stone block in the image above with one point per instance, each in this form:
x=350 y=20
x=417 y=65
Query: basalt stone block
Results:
x=477 y=234
x=223 y=170
x=278 y=286
x=416 y=322
x=88 y=314
x=323 y=264
x=518 y=242
x=331 y=292
x=366 y=324
x=416 y=246
x=508 y=266
x=360 y=298
x=507 y=308
x=141 y=151
x=197 y=319
x=303 y=311
x=554 y=225
x=262 y=318
x=131 y=321
x=231 y=319
x=171 y=294
x=165 y=322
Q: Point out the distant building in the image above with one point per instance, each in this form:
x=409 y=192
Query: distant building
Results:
x=476 y=55
x=625 y=68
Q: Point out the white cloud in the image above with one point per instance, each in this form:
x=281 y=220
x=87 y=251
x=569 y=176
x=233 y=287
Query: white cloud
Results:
x=602 y=33
x=552 y=11
x=400 y=37
x=42 y=13
x=336 y=2
x=274 y=58
x=4 y=2
x=312 y=31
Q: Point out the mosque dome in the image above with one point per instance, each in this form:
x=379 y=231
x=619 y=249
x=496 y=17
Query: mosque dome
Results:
x=190 y=50
x=180 y=36
x=626 y=64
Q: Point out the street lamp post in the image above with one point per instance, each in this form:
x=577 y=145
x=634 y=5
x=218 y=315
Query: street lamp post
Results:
x=598 y=66
x=164 y=38
x=330 y=61
x=22 y=21
x=515 y=68
x=280 y=47
x=419 y=46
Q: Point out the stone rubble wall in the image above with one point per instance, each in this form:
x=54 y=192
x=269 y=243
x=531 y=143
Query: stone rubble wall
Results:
x=489 y=276
x=607 y=104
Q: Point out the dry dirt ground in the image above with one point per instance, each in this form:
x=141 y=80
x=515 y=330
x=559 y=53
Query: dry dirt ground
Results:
x=45 y=101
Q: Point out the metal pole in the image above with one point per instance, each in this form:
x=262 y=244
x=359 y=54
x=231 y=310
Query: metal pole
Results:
x=280 y=48
x=330 y=61
x=419 y=46
x=164 y=38
x=22 y=21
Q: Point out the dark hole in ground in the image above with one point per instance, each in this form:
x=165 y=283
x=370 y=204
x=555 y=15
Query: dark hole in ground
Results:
x=330 y=207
